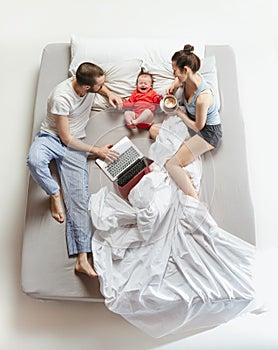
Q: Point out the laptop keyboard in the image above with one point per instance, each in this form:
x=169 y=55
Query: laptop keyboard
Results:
x=126 y=177
x=124 y=160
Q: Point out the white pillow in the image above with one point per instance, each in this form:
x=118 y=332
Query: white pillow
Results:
x=103 y=50
x=120 y=77
x=163 y=75
x=109 y=54
x=209 y=72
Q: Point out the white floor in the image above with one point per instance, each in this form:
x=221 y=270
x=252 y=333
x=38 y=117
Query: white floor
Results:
x=26 y=27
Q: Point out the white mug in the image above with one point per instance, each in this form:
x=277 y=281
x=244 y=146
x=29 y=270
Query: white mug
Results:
x=169 y=104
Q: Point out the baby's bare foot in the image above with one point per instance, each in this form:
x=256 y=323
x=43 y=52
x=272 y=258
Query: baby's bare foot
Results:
x=56 y=207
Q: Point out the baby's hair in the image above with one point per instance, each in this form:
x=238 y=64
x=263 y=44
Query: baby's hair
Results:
x=187 y=57
x=142 y=72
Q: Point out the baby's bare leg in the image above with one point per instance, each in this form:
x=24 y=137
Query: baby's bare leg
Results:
x=129 y=117
x=145 y=117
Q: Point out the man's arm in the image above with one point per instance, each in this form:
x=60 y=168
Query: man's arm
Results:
x=114 y=99
x=63 y=128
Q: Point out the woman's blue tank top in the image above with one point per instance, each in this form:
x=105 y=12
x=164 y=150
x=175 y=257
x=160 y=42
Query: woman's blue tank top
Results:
x=213 y=116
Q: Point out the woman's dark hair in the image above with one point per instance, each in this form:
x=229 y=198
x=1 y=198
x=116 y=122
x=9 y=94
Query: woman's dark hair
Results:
x=87 y=73
x=186 y=57
x=142 y=72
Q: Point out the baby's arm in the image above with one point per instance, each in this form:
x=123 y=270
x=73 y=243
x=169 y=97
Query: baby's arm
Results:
x=127 y=104
x=157 y=98
x=130 y=102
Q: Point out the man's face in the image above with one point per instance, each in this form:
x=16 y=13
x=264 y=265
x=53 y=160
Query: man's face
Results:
x=99 y=83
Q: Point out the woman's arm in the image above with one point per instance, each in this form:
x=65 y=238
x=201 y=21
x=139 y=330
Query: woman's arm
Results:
x=63 y=128
x=175 y=85
x=203 y=102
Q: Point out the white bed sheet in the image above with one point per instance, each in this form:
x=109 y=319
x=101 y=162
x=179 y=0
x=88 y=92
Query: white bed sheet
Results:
x=163 y=262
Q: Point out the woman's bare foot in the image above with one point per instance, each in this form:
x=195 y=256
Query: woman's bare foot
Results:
x=82 y=265
x=56 y=207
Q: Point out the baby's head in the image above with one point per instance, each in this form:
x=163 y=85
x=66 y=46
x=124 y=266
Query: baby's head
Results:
x=144 y=82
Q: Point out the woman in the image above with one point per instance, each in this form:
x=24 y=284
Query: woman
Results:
x=201 y=116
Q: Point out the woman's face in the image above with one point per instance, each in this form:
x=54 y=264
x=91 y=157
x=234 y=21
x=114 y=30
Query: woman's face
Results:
x=181 y=75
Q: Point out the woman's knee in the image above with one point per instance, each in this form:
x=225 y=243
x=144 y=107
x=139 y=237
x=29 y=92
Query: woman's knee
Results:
x=154 y=130
x=172 y=163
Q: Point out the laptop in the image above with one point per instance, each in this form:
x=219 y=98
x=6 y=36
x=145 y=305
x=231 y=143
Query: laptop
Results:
x=126 y=171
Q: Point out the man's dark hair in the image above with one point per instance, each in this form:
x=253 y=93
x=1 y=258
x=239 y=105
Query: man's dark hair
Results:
x=87 y=73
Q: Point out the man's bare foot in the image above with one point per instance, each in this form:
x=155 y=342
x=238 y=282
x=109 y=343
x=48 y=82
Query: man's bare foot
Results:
x=56 y=207
x=82 y=265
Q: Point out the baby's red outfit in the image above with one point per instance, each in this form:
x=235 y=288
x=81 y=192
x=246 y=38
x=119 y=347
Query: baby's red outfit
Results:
x=140 y=101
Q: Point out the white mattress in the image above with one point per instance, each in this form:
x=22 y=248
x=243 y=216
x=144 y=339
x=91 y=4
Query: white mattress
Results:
x=47 y=272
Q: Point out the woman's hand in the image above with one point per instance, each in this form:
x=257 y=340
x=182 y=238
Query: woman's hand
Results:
x=179 y=113
x=173 y=88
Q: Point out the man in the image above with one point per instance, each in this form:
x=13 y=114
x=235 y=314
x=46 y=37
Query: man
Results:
x=61 y=137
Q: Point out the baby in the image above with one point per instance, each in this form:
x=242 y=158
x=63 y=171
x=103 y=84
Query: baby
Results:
x=141 y=103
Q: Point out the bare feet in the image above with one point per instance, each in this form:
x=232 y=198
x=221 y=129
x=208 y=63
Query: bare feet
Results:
x=82 y=265
x=131 y=125
x=56 y=207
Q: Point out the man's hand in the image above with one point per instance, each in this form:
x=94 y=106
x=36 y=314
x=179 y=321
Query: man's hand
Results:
x=106 y=153
x=115 y=100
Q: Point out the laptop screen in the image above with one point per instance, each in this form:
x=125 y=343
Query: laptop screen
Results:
x=129 y=154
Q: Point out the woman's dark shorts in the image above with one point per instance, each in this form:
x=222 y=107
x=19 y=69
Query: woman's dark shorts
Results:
x=212 y=134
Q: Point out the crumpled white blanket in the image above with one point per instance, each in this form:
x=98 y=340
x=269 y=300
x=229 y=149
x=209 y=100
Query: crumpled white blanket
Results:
x=163 y=263
x=171 y=135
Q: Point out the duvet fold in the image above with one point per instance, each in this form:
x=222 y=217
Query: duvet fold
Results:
x=163 y=262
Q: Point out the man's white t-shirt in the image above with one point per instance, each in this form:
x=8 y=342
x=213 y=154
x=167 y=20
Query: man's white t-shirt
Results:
x=63 y=100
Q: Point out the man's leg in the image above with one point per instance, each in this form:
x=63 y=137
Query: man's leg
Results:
x=73 y=172
x=44 y=148
x=82 y=265
x=56 y=207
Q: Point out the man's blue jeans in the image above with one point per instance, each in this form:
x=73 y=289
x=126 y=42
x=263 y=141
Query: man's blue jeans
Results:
x=72 y=167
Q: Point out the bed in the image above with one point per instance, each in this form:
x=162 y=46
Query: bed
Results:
x=47 y=271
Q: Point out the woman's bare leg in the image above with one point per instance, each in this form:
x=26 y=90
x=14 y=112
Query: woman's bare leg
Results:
x=188 y=152
x=154 y=130
x=180 y=176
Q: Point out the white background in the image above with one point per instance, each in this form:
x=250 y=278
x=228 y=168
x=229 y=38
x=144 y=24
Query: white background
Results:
x=26 y=27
